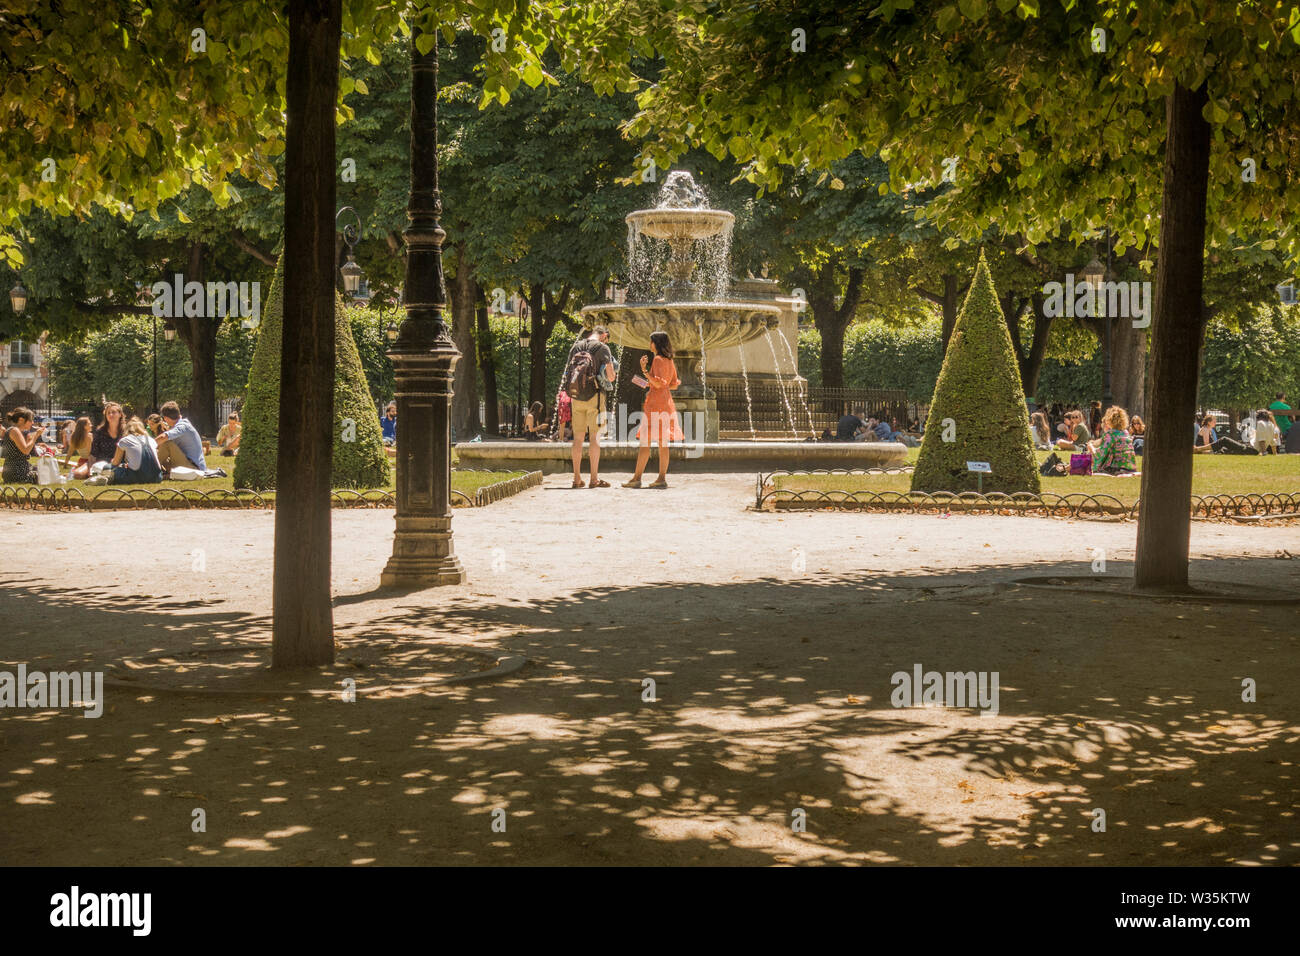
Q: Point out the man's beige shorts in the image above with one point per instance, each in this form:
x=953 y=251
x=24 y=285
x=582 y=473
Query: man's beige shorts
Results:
x=586 y=416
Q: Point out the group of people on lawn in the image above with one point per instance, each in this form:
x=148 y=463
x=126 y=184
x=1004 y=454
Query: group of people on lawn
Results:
x=1114 y=449
x=120 y=450
x=853 y=427
x=1117 y=440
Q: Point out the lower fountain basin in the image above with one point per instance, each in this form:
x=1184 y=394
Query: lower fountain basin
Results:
x=727 y=456
x=692 y=327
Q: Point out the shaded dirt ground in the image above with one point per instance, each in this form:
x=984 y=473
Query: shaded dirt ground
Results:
x=772 y=683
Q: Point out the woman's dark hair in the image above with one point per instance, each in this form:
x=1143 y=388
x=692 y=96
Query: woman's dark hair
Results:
x=536 y=411
x=1265 y=414
x=660 y=343
x=20 y=413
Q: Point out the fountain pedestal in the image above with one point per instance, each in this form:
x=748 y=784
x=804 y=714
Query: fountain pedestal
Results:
x=696 y=403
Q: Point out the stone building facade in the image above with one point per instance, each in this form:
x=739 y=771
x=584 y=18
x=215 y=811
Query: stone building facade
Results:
x=24 y=375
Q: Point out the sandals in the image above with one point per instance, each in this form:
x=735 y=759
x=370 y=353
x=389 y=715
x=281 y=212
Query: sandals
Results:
x=658 y=483
x=579 y=483
x=599 y=483
x=634 y=483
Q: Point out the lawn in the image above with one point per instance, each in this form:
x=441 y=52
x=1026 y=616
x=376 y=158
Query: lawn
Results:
x=466 y=482
x=1211 y=475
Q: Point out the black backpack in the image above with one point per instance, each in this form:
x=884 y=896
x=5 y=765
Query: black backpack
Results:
x=581 y=382
x=1052 y=465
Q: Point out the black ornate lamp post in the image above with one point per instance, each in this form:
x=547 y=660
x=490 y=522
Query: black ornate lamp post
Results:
x=424 y=360
x=351 y=272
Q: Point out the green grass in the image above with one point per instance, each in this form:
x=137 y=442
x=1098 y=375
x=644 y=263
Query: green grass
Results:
x=1211 y=475
x=467 y=482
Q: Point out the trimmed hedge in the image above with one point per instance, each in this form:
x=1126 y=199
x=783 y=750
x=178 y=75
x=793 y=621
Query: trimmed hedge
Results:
x=358 y=463
x=979 y=389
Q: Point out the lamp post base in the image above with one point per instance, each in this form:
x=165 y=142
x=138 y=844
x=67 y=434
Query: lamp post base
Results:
x=422 y=555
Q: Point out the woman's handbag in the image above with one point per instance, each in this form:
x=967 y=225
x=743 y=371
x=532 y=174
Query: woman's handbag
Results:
x=1081 y=464
x=47 y=471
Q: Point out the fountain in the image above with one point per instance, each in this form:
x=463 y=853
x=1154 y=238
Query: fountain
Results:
x=679 y=281
x=695 y=321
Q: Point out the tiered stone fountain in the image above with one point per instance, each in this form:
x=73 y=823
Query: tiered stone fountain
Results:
x=710 y=328
x=695 y=325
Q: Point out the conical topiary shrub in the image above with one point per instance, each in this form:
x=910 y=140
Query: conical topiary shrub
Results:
x=359 y=459
x=978 y=405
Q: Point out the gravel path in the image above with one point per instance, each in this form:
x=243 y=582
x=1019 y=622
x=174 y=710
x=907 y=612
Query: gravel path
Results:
x=771 y=640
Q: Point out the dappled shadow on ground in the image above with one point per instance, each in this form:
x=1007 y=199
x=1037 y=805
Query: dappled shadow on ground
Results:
x=770 y=697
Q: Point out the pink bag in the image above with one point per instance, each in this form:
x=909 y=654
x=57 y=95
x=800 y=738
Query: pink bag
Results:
x=1081 y=464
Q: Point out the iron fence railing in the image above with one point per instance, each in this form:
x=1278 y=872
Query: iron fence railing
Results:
x=1251 y=507
x=59 y=498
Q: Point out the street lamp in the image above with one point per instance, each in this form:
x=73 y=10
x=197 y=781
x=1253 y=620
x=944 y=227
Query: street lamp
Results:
x=424 y=360
x=351 y=272
x=1094 y=274
x=169 y=330
x=524 y=340
x=18 y=298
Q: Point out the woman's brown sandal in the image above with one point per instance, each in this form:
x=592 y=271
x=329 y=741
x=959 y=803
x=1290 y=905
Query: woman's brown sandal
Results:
x=658 y=483
x=579 y=483
x=634 y=483
x=600 y=483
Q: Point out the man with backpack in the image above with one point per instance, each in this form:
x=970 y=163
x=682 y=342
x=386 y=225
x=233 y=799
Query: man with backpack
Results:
x=590 y=359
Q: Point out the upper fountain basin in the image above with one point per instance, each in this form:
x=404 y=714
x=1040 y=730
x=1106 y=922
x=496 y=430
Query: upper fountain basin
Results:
x=691 y=326
x=670 y=223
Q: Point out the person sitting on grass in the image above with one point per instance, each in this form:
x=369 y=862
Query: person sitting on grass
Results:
x=229 y=435
x=1138 y=429
x=1040 y=432
x=848 y=427
x=1113 y=451
x=136 y=460
x=1267 y=439
x=1077 y=434
x=79 y=444
x=180 y=445
x=1209 y=442
x=17 y=447
x=104 y=442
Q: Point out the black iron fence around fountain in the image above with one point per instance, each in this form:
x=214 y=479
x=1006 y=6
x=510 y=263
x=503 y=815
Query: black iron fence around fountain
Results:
x=767 y=409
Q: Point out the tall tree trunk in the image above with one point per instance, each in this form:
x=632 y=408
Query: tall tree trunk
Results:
x=302 y=619
x=487 y=363
x=947 y=301
x=949 y=306
x=199 y=333
x=1128 y=348
x=1032 y=364
x=1164 y=525
x=202 y=344
x=464 y=402
x=832 y=322
x=535 y=361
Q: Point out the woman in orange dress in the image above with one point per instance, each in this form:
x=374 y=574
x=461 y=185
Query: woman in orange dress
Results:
x=660 y=413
